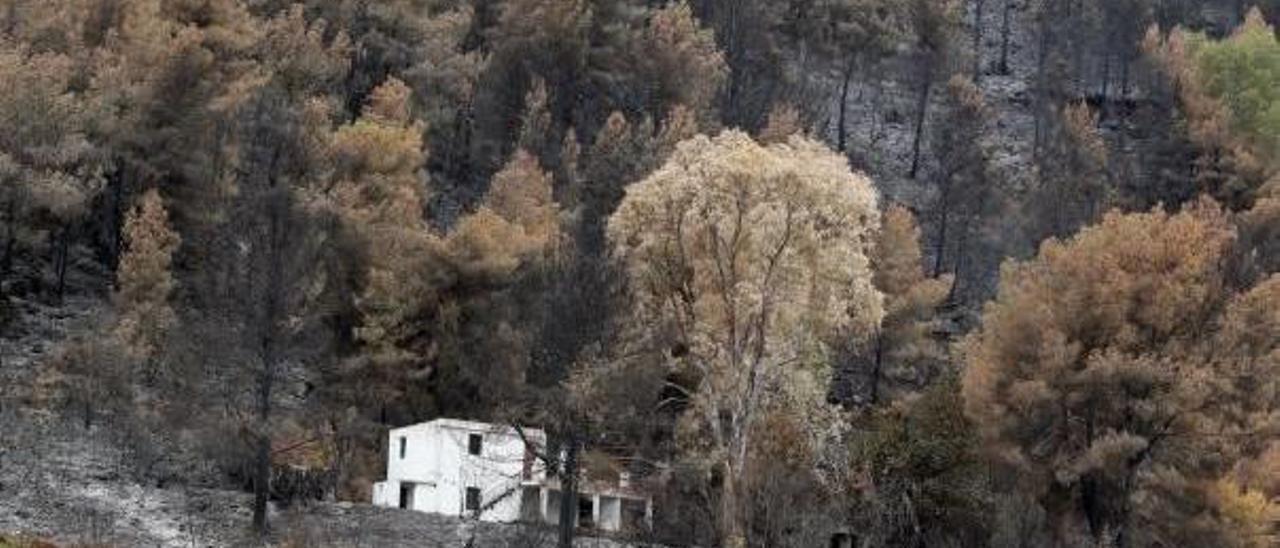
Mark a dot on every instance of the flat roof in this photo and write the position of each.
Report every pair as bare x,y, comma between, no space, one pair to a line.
473,426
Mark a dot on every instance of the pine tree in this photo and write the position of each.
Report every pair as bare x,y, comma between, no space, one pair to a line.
1223,89
966,189
521,194
144,279
380,194
1098,362
859,33
905,356
678,60
1072,172
52,169
933,24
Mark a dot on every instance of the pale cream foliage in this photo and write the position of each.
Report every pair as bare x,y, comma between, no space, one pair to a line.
747,259
784,231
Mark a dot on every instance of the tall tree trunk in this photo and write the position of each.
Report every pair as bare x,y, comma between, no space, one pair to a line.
566,528
941,244
962,249
1125,63
60,265
978,6
732,528
733,54
87,413
877,98
841,129
268,329
115,223
1106,80
877,365
10,236
922,107
262,456
1005,30
1092,507
1042,83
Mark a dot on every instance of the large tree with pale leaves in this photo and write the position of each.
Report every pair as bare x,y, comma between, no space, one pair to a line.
743,261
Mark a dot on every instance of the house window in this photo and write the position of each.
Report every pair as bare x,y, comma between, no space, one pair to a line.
475,443
473,499
403,443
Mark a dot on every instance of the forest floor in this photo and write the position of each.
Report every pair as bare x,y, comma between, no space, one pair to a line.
72,486
63,485
880,130
74,494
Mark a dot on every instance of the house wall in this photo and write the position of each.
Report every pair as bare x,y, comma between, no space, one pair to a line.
437,462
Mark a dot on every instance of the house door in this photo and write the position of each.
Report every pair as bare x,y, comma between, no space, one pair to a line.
406,496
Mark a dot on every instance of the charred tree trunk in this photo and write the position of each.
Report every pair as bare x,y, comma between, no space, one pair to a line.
978,8
1125,63
841,129
268,349
1042,82
962,250
1005,30
940,246
60,263
10,236
262,454
115,222
877,365
567,527
922,107
87,413
1106,80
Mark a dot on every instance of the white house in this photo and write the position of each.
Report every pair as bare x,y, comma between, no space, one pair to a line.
490,472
